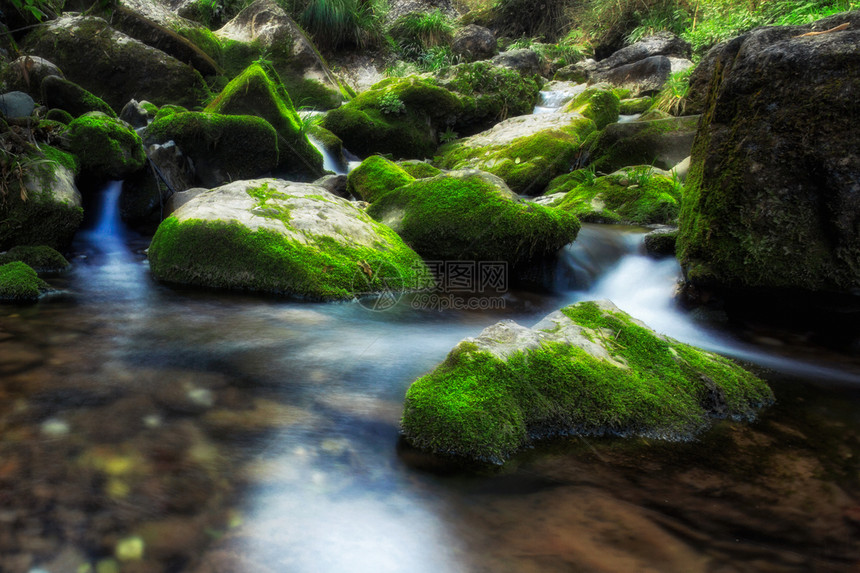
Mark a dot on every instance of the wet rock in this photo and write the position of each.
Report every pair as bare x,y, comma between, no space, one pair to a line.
473,42
661,242
179,199
661,143
14,105
134,114
41,258
334,184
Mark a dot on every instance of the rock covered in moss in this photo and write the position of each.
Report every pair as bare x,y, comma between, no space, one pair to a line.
259,91
289,238
62,94
638,195
107,148
20,283
113,65
635,105
526,151
598,103
587,369
47,211
472,215
376,177
661,143
773,191
26,74
419,169
661,242
41,258
222,147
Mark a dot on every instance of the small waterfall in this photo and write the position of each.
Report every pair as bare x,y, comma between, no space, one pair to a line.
550,101
108,230
330,163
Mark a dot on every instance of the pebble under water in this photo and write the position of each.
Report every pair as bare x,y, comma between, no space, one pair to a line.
147,428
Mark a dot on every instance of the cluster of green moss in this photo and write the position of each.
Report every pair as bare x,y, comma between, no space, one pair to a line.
258,91
105,146
419,169
72,98
528,163
463,215
59,115
638,143
20,283
375,177
42,258
651,199
495,92
632,106
229,255
601,105
241,146
480,407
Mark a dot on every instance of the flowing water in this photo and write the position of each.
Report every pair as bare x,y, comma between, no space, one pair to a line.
147,428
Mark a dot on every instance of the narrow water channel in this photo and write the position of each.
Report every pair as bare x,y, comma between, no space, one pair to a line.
146,426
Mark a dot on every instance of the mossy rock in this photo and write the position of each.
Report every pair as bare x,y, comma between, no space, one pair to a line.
472,215
112,65
41,258
396,116
166,110
59,115
62,94
376,177
588,369
107,148
601,105
419,169
222,147
635,196
526,151
20,283
259,91
47,211
662,143
661,242
276,236
633,106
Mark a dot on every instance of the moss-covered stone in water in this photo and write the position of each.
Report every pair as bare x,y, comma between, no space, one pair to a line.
259,91
20,283
274,236
106,147
589,369
620,198
236,146
375,177
526,151
472,215
600,105
41,258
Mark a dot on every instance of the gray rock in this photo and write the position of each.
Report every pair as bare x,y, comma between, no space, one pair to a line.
642,77
334,184
180,198
662,143
524,60
133,114
580,72
14,105
660,242
27,72
400,8
474,42
660,44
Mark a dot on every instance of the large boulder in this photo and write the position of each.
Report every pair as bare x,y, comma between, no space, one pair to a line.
259,91
662,143
43,207
773,192
282,237
659,44
526,151
20,283
643,77
375,177
107,147
26,74
524,60
474,42
222,148
265,25
113,65
472,215
587,369
598,103
60,93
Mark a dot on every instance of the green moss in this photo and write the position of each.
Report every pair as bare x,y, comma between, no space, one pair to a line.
457,216
635,105
72,98
166,110
204,39
152,110
660,143
221,255
59,115
477,406
311,93
259,91
239,146
41,258
376,177
622,198
20,283
528,163
600,105
106,147
67,160
419,169
495,93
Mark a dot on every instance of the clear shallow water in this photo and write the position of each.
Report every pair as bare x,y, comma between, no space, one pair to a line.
225,432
